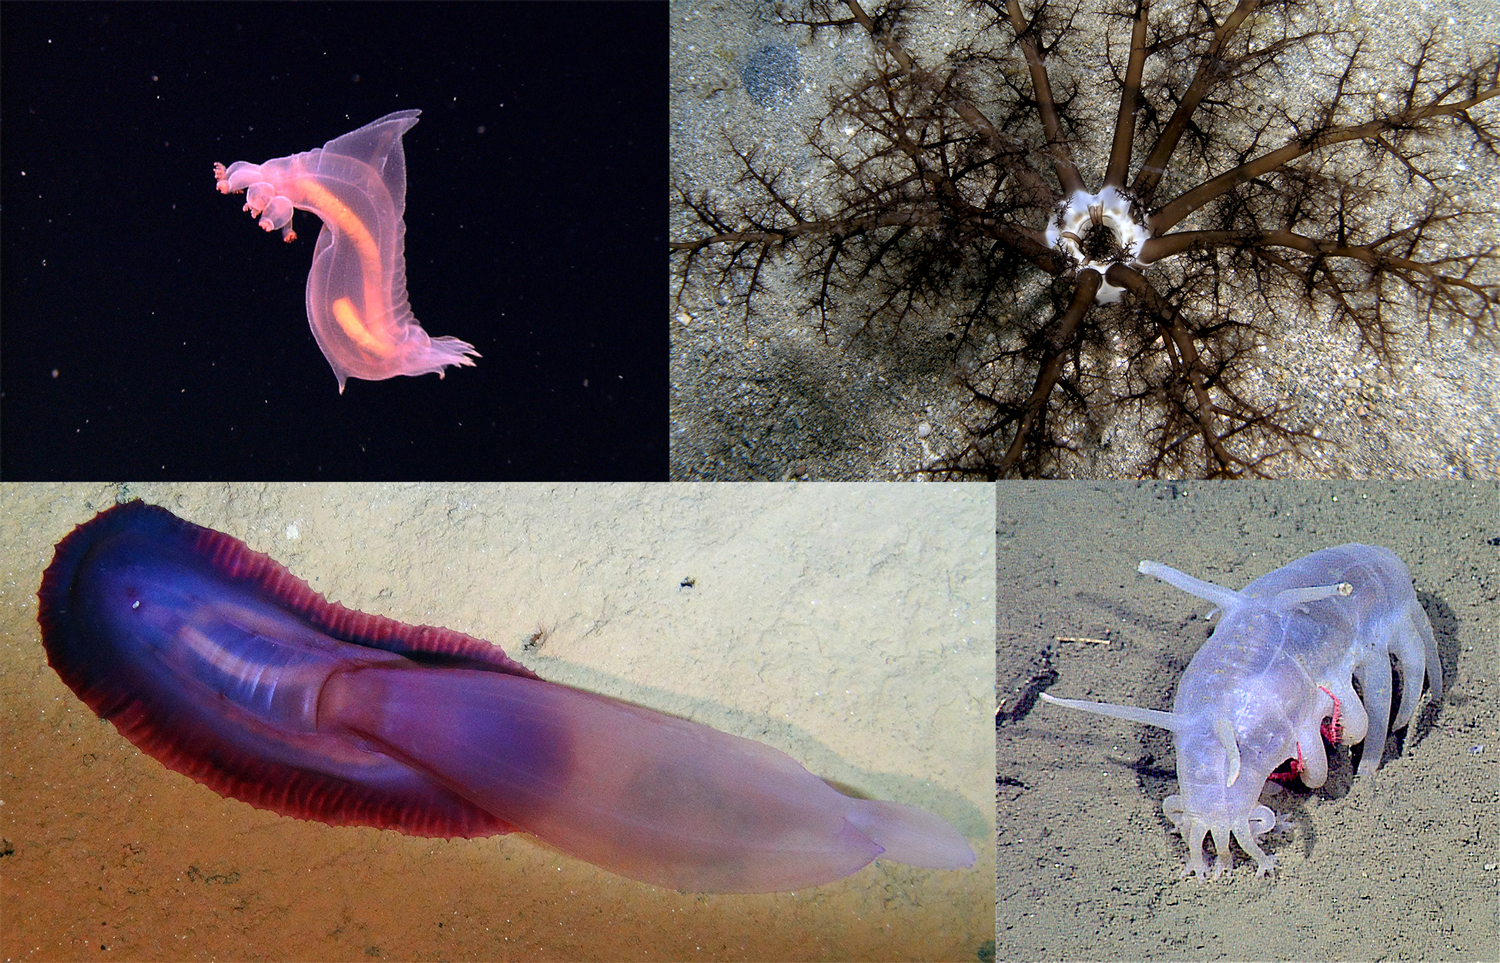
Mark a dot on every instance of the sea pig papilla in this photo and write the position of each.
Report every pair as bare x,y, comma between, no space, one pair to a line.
224,666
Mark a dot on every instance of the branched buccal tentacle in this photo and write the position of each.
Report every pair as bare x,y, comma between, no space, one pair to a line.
967,186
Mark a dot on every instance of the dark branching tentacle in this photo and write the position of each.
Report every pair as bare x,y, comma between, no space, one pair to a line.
1033,48
1026,418
1211,71
1130,92
1451,101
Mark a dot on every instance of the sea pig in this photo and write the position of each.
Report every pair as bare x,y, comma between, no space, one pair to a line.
227,668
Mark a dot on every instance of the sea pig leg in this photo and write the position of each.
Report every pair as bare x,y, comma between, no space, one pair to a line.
642,794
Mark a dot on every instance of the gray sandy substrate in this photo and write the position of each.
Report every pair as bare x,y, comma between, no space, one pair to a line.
1401,863
773,400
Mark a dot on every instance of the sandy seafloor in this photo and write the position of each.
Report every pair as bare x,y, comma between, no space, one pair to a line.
1399,864
775,401
850,627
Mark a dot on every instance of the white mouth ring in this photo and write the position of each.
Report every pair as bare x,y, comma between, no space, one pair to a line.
1097,230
